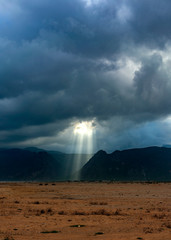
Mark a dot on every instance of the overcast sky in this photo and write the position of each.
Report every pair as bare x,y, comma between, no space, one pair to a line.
107,62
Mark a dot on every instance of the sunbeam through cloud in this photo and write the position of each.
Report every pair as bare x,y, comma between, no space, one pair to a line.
84,142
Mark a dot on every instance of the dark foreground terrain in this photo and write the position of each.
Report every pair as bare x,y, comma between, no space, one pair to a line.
74,211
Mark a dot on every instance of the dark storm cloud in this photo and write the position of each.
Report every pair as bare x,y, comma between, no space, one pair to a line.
151,22
152,83
62,61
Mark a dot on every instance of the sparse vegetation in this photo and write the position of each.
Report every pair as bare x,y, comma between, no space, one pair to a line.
99,203
148,230
8,238
38,212
86,209
159,216
54,231
167,225
62,213
101,211
117,212
106,213
77,226
99,233
49,210
41,211
79,213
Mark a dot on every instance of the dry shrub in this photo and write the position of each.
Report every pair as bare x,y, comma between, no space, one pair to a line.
73,213
161,209
117,212
167,225
36,202
99,233
99,203
77,226
101,212
96,212
54,231
49,210
79,213
8,238
94,203
159,216
38,212
62,213
2,198
105,212
148,230
103,203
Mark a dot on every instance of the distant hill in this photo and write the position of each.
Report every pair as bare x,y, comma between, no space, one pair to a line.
152,163
69,163
34,164
34,149
24,165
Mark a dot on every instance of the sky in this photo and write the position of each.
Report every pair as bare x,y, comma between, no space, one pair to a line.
101,64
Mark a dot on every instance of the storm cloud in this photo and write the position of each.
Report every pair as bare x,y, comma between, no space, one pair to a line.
63,62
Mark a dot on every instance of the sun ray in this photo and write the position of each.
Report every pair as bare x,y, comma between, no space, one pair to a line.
84,143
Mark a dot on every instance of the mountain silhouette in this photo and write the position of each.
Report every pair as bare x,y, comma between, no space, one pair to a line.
24,165
34,164
144,164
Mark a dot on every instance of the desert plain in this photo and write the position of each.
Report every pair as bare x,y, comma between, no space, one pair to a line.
85,210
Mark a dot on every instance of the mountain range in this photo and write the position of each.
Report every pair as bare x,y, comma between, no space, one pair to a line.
33,164
143,164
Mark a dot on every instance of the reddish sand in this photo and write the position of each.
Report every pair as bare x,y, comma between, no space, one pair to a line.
72,211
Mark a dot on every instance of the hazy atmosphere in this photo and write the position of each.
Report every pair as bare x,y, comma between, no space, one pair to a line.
84,75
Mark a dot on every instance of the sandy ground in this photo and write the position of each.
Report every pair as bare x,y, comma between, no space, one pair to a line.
72,211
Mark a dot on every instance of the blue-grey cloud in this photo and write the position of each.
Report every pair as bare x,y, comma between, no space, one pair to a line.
63,61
